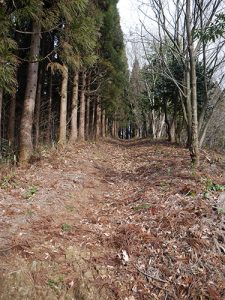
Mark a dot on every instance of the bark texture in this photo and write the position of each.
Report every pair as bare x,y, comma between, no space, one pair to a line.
1,99
82,108
49,110
88,105
98,120
74,130
63,106
37,110
103,124
26,144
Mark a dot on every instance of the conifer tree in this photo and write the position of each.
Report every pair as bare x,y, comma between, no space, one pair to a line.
83,41
61,11
113,62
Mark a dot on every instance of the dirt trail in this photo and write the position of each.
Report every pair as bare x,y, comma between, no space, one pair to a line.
113,220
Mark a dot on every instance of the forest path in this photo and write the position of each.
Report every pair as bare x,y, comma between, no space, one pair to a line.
112,220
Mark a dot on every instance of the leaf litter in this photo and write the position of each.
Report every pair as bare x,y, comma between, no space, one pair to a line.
113,220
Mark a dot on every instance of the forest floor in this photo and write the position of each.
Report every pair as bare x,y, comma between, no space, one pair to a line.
113,220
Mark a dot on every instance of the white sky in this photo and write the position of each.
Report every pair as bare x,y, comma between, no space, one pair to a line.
128,10
129,19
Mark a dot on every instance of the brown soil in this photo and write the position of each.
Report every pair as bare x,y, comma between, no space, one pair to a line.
113,220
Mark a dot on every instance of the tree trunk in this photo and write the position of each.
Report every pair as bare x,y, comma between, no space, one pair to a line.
173,131
144,127
116,130
82,109
26,145
1,100
12,120
49,109
93,118
87,123
74,130
98,120
88,104
153,124
103,124
106,126
188,104
194,149
63,107
161,125
168,127
37,111
173,125
114,134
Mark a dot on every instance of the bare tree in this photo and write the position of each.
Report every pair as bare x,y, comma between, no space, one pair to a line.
176,23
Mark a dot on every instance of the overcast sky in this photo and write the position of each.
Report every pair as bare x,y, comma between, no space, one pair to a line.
129,19
128,10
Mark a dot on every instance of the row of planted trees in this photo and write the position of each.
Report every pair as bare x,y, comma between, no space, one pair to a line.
181,82
63,72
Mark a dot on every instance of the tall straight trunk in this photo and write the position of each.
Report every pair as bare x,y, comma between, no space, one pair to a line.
63,106
194,149
74,130
140,132
161,125
1,100
168,125
82,108
49,109
116,129
26,144
37,110
173,131
144,127
173,127
107,126
188,103
113,129
87,123
93,118
98,119
88,104
103,124
153,124
12,120
171,124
